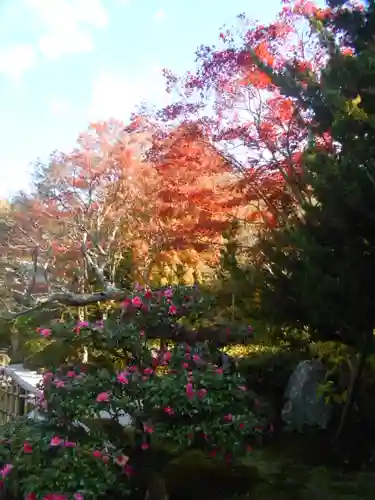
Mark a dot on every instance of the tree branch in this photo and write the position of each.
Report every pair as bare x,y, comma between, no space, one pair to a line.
68,299
174,332
178,333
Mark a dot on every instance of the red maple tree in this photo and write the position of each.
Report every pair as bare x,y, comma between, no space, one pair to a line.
239,111
106,200
229,148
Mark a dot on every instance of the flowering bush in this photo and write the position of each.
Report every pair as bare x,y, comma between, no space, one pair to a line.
107,423
39,464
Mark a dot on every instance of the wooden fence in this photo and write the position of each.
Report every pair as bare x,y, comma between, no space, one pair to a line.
18,392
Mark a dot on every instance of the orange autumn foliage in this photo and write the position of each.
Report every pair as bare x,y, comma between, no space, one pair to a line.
230,96
195,189
106,199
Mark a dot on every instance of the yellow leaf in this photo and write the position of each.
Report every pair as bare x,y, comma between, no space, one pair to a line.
357,101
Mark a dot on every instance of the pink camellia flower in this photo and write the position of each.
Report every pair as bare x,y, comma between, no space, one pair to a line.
172,309
189,391
122,460
59,384
82,324
45,332
78,496
70,444
148,294
148,429
148,371
47,377
202,393
228,417
136,301
167,356
71,374
185,365
219,371
196,357
55,496
168,293
6,470
125,303
128,470
27,448
145,446
41,400
132,368
56,441
103,397
168,410
122,377
30,496
97,454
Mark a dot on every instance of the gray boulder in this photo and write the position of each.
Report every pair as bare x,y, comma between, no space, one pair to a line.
304,405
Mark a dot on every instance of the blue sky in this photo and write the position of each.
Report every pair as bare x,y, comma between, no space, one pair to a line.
64,63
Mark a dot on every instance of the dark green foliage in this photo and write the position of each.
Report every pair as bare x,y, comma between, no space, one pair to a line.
321,269
195,476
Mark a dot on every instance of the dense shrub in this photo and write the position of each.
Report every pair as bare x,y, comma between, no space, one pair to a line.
178,399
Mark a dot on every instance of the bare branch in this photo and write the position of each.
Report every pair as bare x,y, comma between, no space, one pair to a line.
68,299
176,332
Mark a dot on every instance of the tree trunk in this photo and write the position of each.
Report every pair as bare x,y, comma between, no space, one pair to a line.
82,311
82,316
352,391
157,489
15,345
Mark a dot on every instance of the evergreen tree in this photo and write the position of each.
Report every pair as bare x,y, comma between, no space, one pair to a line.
320,270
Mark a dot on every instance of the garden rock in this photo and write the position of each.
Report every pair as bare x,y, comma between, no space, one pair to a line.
304,405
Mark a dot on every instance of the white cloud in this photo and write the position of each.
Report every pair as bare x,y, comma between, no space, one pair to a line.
55,44
115,96
58,107
112,96
16,60
160,15
68,24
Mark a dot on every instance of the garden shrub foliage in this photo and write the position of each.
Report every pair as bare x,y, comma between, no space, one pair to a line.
179,398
